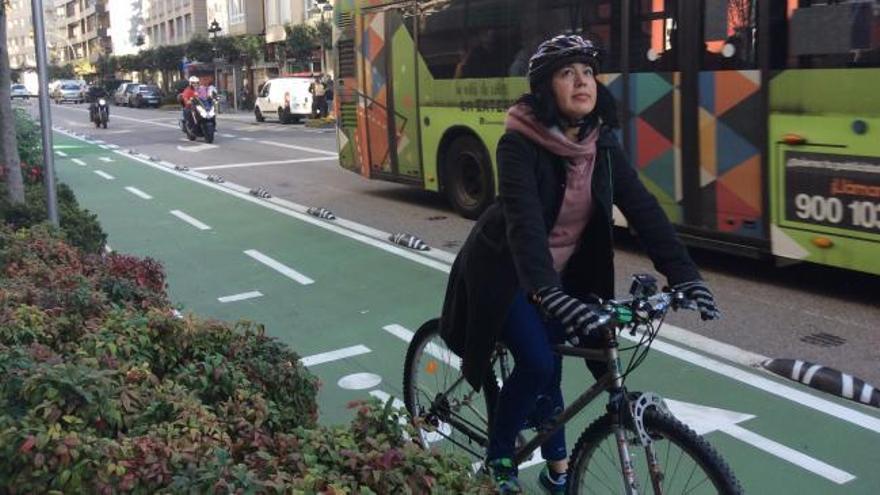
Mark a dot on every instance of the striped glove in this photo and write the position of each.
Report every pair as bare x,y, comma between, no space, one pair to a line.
577,318
698,292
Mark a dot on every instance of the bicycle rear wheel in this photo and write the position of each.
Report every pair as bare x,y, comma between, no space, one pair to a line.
687,463
450,414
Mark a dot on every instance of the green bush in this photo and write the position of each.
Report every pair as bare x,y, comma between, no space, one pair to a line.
104,390
80,227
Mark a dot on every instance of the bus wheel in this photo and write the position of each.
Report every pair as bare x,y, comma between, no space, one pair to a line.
468,179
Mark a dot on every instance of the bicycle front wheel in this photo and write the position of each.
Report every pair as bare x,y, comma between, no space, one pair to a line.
686,462
450,414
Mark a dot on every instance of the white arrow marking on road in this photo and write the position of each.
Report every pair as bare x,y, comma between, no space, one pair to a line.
78,162
104,174
279,267
704,420
196,148
106,159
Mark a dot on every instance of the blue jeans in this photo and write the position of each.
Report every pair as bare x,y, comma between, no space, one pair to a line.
532,391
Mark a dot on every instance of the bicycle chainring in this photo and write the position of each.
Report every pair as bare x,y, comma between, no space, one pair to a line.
642,402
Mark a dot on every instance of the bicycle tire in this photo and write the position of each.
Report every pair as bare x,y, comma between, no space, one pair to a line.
419,405
585,467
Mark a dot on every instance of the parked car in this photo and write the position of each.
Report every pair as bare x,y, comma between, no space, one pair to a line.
285,98
145,95
120,97
95,92
69,91
19,91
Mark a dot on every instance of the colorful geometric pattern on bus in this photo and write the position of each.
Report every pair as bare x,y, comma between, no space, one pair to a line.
655,142
374,100
372,115
730,152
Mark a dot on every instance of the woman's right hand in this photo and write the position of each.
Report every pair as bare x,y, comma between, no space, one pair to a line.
577,318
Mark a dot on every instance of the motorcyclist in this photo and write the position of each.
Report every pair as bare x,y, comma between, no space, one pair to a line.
98,94
186,96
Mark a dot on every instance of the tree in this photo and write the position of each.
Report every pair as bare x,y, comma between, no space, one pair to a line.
167,60
106,66
199,48
61,72
8,143
301,42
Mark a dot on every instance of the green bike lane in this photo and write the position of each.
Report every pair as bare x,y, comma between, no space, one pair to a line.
775,445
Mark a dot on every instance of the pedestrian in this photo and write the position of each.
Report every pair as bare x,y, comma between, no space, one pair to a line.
319,99
544,248
328,96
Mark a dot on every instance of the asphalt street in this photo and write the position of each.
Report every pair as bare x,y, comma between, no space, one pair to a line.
348,301
770,311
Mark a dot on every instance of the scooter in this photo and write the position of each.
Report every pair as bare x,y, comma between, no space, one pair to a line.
203,120
99,113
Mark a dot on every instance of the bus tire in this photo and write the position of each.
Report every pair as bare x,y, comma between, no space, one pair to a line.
467,177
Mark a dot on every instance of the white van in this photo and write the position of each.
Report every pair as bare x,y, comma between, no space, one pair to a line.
285,98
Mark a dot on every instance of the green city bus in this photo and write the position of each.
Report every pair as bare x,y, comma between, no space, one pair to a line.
755,124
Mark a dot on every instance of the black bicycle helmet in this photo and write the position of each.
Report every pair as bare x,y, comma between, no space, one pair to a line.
561,50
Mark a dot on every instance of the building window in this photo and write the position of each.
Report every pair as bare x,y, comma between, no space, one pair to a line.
729,32
179,28
187,21
236,11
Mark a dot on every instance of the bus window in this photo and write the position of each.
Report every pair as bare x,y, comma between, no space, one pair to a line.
653,35
542,19
829,34
468,38
729,32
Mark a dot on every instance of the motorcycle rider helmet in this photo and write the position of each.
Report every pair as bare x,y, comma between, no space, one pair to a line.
193,80
559,51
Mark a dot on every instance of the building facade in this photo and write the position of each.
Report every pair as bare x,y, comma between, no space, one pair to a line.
85,26
19,35
173,22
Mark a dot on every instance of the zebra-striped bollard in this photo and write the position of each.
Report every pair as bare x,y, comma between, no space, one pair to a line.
321,213
181,168
409,241
260,192
825,379
216,178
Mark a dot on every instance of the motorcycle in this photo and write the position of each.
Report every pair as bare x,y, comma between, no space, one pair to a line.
99,113
202,121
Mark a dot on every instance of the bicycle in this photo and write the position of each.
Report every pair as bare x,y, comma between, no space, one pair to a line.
675,459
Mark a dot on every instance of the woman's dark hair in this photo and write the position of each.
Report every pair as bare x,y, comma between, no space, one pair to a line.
542,101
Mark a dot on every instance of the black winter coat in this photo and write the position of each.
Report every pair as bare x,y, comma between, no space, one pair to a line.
508,246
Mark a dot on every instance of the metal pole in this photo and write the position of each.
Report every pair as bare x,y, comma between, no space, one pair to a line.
235,91
45,116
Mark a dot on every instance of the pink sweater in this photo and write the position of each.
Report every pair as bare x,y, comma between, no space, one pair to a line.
577,205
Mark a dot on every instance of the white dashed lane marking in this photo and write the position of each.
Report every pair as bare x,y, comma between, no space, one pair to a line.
327,357
137,192
190,220
279,267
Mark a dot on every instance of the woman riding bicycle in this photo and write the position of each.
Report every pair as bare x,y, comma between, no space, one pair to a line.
546,245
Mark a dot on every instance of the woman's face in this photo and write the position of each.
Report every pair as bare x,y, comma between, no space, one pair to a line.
574,86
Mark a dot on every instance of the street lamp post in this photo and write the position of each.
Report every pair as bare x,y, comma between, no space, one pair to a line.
214,28
318,8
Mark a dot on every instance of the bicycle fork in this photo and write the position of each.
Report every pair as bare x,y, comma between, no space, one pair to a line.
619,410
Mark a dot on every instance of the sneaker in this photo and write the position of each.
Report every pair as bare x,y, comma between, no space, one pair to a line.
552,482
505,475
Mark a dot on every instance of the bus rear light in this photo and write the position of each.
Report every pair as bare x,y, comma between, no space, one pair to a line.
822,242
793,139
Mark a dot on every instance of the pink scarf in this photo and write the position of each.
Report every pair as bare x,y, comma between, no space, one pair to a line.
577,205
